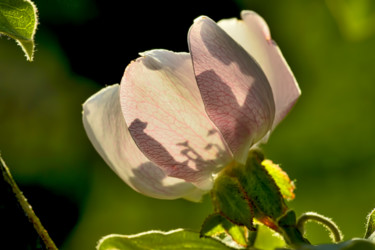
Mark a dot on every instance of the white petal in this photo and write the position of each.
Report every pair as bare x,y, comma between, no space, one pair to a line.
253,35
166,117
107,130
235,91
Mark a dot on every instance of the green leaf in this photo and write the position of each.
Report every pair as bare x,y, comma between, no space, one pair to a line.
281,178
230,200
353,244
175,239
218,227
372,237
18,20
370,224
268,239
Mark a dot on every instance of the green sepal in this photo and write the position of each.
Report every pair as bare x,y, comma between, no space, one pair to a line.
18,20
231,201
261,188
175,239
281,179
370,228
243,192
218,227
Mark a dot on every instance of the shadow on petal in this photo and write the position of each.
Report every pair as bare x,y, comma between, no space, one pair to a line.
194,168
236,93
241,125
158,180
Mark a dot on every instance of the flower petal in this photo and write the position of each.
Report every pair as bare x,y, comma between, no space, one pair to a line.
163,108
253,34
106,129
235,91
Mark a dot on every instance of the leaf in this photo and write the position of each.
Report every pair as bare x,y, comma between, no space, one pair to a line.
372,237
218,227
281,178
268,239
230,200
353,244
175,239
370,224
18,20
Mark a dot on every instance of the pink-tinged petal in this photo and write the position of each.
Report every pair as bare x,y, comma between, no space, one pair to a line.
165,114
107,130
235,91
253,35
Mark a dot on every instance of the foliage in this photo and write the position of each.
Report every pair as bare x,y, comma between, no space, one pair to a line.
176,239
18,20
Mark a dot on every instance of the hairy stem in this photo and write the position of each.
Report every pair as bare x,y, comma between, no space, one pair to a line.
288,227
335,235
26,206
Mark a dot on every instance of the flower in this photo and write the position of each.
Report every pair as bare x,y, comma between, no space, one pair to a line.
177,119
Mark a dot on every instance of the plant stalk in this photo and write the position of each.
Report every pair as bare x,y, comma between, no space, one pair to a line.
42,232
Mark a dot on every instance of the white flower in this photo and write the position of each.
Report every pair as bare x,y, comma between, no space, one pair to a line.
178,118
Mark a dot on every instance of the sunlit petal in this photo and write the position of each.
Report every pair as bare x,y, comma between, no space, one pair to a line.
253,34
235,91
165,114
106,129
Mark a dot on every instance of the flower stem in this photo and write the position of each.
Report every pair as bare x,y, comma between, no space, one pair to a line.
288,227
26,206
335,235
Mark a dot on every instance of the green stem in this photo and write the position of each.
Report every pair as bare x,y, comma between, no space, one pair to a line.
335,235
26,206
287,224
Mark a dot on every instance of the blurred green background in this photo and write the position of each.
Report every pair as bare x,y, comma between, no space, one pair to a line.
326,142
